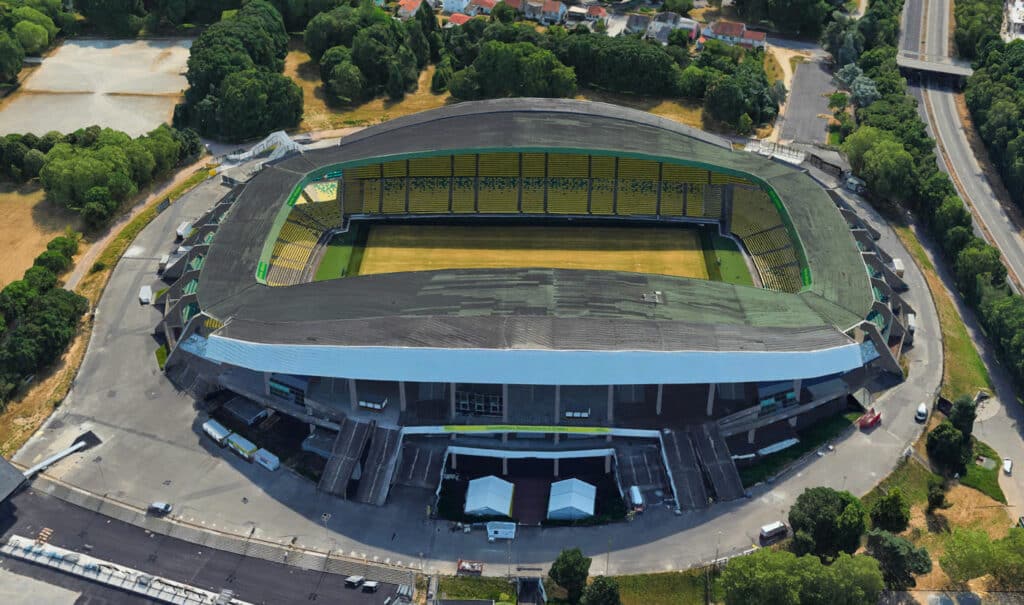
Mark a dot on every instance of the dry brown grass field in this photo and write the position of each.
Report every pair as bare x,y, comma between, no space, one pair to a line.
29,222
664,251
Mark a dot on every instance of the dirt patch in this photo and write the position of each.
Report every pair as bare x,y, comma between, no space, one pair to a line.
318,115
683,111
29,223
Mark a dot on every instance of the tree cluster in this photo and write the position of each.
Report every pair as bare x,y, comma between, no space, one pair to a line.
910,175
94,170
29,27
39,319
802,17
363,52
570,571
236,90
977,24
769,576
514,69
949,444
826,522
971,554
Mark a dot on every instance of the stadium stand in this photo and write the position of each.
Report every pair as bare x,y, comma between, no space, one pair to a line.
464,184
430,185
638,191
602,185
534,169
752,211
321,191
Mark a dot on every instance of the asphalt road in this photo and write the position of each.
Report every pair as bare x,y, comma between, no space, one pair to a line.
252,579
808,100
1001,420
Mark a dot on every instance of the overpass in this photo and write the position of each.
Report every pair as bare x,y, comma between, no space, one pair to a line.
956,72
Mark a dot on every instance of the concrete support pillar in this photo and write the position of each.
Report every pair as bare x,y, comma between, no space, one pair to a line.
504,466
312,428
556,468
455,461
504,437
607,463
504,403
792,421
266,383
750,436
353,394
557,438
558,407
451,400
797,385
401,396
611,403
657,404
711,399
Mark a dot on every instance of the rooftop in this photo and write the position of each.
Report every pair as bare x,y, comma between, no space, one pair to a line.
728,28
548,308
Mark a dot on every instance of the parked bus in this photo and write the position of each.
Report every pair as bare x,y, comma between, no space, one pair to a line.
217,432
242,446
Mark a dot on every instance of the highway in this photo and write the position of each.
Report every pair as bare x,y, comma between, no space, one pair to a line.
1000,422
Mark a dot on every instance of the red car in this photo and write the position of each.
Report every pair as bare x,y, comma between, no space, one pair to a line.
869,419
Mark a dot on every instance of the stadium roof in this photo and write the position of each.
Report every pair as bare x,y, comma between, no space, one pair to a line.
536,308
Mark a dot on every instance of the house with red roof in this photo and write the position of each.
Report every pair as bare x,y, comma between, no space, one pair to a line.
457,19
407,9
516,4
480,7
596,12
732,32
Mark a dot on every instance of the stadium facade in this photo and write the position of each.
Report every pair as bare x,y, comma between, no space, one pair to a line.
556,358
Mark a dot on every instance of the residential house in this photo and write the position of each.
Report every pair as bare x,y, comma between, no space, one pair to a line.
407,9
546,12
457,19
576,14
454,6
732,32
516,4
665,23
637,24
596,12
480,7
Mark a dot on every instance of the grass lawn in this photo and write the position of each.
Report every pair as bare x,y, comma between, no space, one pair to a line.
985,480
724,259
476,587
963,370
835,138
772,68
810,439
343,255
161,356
911,477
672,588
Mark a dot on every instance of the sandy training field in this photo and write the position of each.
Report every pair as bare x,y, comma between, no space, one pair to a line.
664,251
130,85
29,223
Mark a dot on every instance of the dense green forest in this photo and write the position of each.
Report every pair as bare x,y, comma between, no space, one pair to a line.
29,27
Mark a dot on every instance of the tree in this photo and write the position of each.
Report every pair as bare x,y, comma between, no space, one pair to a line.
53,260
504,13
27,13
12,55
963,414
602,591
518,68
680,38
725,100
32,163
680,7
891,512
693,82
945,445
804,17
570,571
898,558
969,554
889,170
345,84
838,101
769,576
118,17
40,279
745,125
864,92
936,495
826,522
396,84
847,74
32,37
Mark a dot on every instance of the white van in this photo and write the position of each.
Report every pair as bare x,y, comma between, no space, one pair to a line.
773,532
183,230
636,499
216,431
371,586
242,446
354,581
145,295
267,460
897,267
922,413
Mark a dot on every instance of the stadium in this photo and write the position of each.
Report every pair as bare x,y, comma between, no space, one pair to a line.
501,286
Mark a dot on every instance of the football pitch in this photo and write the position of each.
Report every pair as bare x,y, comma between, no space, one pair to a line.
664,250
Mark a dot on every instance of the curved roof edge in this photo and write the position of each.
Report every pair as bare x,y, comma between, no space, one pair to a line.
527,366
